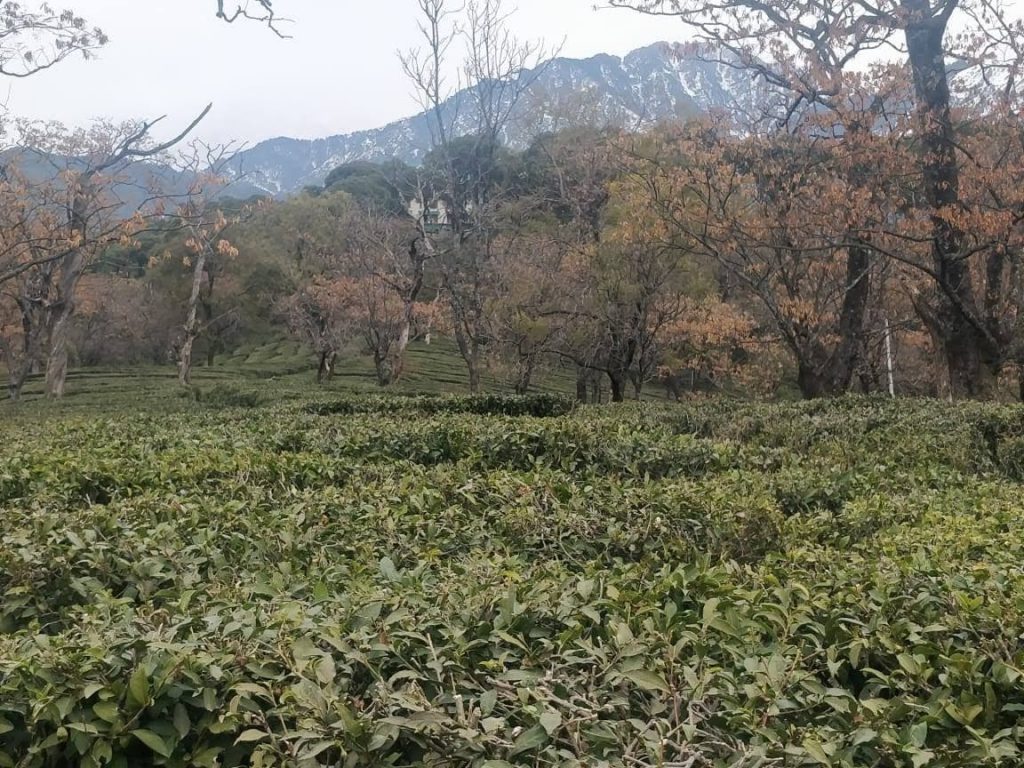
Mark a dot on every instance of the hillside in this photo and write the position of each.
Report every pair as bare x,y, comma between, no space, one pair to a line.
660,82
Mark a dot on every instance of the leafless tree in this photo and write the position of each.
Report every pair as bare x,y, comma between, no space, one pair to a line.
206,226
498,70
96,193
261,11
35,39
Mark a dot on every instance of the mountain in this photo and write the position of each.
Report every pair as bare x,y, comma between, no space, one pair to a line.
661,82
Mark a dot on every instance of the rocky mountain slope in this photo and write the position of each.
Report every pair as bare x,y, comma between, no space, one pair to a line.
660,82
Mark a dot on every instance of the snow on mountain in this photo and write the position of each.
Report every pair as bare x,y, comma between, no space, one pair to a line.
661,82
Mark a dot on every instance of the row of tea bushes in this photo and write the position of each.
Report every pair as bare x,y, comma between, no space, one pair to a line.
835,584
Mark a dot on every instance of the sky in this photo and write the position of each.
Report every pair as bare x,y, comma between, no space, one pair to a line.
338,73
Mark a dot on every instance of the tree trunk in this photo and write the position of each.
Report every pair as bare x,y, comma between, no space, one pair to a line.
581,384
388,367
811,381
15,385
57,360
185,362
618,384
395,362
970,374
17,373
469,348
58,323
851,320
58,314
325,371
968,349
637,380
474,378
192,321
525,376
19,368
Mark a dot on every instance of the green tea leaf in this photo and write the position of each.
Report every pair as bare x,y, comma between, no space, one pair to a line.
649,681
816,752
551,721
153,741
487,701
250,735
138,688
529,739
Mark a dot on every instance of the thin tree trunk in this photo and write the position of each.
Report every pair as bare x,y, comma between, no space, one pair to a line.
185,362
850,345
525,377
474,377
192,321
59,323
19,369
325,371
637,380
16,383
470,351
389,369
17,372
321,369
57,360
581,384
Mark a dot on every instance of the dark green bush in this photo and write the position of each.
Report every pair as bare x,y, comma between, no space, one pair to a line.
225,396
538,405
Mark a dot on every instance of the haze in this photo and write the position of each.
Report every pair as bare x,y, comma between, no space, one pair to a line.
338,73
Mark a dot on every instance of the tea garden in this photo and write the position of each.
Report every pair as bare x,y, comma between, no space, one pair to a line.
440,581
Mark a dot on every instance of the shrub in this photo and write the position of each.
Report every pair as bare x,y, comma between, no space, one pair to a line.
490,582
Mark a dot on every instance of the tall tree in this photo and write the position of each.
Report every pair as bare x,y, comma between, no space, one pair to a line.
498,70
806,48
90,200
387,256
205,224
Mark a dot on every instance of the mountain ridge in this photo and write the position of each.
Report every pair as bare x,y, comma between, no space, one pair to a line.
659,82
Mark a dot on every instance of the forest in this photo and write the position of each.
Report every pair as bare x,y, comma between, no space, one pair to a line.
861,234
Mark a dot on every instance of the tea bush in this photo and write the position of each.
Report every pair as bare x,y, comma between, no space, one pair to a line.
484,405
403,582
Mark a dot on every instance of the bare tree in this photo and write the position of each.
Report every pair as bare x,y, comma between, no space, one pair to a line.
205,225
260,11
498,70
32,40
95,197
36,37
387,253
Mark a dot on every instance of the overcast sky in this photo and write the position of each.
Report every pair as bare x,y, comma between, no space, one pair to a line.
338,73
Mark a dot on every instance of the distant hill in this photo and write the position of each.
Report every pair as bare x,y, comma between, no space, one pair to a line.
660,82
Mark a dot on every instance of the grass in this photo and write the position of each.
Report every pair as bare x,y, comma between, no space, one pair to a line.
279,369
